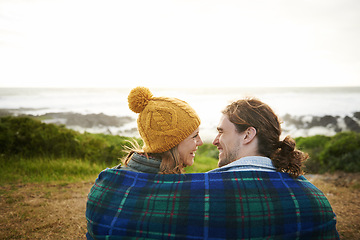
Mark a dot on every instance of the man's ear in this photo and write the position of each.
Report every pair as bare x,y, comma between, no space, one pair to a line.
250,134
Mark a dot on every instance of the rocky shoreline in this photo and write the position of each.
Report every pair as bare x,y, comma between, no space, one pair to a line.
326,125
93,123
294,126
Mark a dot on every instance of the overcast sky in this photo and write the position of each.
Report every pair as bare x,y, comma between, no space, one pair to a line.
173,43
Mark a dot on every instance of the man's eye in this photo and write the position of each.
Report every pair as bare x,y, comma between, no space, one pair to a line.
196,136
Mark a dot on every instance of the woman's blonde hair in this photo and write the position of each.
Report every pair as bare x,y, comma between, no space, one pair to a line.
170,160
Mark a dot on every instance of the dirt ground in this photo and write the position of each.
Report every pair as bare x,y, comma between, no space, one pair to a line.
343,193
43,211
57,211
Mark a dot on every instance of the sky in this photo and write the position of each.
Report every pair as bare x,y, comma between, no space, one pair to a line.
179,43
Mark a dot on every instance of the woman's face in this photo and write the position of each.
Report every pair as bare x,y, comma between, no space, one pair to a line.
188,147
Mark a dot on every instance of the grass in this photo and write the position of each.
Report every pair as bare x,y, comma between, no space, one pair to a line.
70,170
48,170
202,164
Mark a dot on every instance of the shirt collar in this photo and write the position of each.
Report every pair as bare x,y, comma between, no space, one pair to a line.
254,161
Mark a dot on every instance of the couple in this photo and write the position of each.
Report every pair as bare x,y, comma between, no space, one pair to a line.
256,193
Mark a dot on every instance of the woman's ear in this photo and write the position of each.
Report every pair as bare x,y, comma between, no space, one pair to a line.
250,134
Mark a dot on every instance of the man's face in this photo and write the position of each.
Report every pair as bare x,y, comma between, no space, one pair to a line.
228,142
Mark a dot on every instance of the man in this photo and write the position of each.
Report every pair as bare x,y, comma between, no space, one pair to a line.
257,193
249,139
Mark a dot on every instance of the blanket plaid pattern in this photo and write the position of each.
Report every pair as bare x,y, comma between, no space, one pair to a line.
225,205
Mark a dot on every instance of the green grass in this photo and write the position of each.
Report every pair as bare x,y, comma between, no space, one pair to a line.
48,170
70,170
206,159
64,170
202,164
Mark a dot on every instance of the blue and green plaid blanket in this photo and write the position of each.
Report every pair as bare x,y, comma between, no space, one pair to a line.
227,205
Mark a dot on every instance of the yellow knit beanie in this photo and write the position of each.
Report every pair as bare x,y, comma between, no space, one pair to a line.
163,122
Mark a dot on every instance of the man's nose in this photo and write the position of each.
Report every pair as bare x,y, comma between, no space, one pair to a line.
216,141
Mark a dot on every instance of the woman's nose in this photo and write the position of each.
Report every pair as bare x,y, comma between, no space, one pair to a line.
199,142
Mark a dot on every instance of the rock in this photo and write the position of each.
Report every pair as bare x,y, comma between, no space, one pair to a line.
357,115
89,120
351,124
290,120
325,121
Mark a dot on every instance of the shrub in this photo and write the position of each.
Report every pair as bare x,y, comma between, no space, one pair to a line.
317,141
29,138
313,146
342,152
337,153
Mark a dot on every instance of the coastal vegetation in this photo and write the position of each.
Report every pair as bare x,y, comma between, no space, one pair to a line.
340,152
33,151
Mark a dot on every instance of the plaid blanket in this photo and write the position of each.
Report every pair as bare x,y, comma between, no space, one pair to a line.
227,205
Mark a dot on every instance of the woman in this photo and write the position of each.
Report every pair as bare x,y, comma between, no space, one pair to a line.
169,128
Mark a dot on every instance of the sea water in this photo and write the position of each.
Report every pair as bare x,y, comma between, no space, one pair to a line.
208,102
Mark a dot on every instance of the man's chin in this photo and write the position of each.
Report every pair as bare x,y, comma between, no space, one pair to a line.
222,163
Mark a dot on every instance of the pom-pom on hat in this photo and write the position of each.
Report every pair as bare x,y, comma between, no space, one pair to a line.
163,122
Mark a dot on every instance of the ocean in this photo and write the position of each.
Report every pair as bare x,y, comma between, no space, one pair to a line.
304,111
